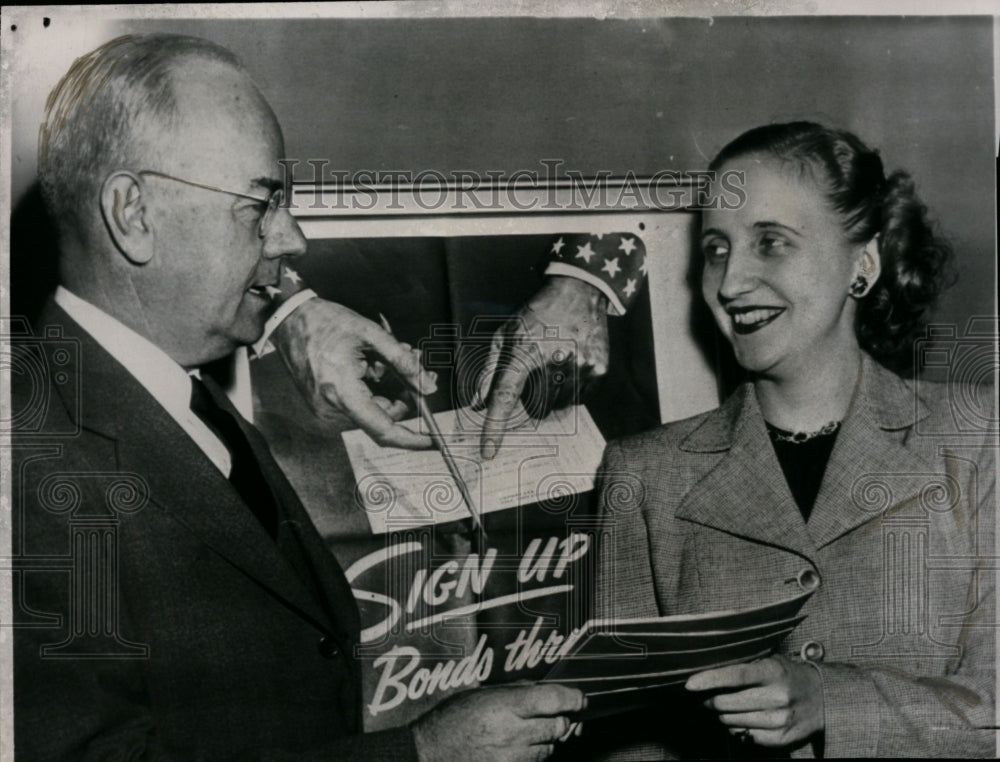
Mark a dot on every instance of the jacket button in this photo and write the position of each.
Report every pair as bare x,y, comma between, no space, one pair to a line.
812,651
328,647
808,579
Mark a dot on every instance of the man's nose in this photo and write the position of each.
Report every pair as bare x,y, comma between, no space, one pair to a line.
285,237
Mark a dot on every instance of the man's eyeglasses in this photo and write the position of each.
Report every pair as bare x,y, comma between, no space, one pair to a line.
275,199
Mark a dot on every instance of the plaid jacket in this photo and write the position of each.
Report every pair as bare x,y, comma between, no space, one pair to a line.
899,548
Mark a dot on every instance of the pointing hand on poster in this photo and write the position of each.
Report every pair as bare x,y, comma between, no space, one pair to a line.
559,334
517,723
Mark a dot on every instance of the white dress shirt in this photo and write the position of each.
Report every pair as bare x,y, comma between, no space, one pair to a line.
164,379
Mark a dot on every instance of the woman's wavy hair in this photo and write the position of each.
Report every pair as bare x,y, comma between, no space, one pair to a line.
916,263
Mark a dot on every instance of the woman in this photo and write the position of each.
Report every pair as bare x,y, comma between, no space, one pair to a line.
826,471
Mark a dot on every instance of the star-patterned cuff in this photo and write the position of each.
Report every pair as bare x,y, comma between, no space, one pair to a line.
288,297
615,263
615,306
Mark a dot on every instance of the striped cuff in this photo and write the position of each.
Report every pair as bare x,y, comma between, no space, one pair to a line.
263,346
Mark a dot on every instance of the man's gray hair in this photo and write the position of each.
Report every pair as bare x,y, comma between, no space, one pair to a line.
97,117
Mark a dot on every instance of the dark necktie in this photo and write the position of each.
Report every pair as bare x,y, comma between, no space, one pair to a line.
259,482
245,474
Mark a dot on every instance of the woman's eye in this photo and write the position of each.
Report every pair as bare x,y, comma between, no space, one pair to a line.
715,251
773,243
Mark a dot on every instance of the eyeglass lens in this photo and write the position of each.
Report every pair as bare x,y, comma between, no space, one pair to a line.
275,200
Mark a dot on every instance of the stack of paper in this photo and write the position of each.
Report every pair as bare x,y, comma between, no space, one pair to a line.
618,663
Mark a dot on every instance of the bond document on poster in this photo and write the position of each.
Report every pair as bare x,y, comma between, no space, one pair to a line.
540,460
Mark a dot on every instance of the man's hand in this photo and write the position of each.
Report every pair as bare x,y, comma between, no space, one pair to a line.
575,314
331,351
510,723
778,700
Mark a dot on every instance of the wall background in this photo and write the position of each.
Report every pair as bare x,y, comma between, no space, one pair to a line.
641,95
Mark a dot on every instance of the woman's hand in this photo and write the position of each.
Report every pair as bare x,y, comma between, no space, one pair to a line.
779,701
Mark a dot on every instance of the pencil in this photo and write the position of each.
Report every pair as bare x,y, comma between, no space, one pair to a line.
438,438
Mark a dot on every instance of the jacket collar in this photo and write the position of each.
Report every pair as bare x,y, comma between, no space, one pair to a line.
746,493
874,468
90,368
890,402
103,397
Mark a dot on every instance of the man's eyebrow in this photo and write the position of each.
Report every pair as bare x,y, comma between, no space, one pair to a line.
773,224
712,231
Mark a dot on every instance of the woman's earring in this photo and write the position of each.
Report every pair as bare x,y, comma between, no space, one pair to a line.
860,286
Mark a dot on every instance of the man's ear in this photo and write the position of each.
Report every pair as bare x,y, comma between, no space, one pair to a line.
124,210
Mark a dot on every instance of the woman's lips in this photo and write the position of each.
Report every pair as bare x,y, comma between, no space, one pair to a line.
750,319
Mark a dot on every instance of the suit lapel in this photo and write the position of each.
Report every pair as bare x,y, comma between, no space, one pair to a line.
336,588
745,494
181,479
330,576
870,468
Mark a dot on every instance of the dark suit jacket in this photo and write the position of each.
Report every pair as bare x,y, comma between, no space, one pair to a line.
156,617
899,547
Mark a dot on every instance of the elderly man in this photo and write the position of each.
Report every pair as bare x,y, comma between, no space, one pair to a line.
199,616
